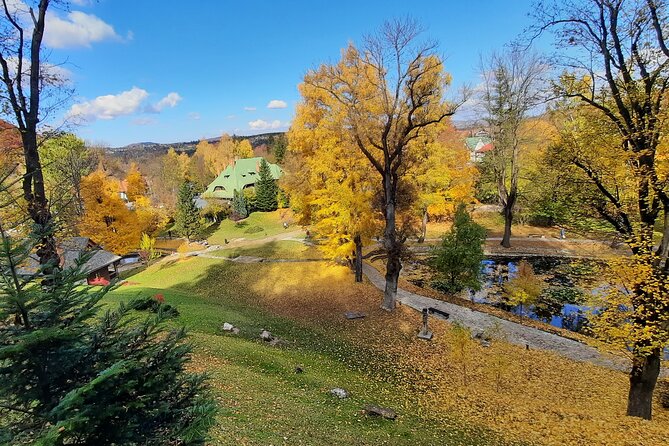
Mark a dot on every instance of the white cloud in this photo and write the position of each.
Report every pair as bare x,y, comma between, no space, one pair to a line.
231,117
77,29
276,103
259,124
171,100
249,109
194,116
109,106
82,2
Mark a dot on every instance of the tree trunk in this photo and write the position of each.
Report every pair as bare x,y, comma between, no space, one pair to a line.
663,251
508,220
358,258
643,377
38,206
423,227
393,267
392,248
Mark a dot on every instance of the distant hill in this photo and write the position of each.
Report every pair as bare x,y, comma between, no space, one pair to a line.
142,149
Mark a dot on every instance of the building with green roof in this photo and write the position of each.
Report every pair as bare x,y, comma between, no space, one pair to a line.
241,174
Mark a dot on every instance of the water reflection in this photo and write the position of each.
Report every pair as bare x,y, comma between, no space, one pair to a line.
562,302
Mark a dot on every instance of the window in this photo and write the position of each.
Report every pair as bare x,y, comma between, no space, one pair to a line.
217,188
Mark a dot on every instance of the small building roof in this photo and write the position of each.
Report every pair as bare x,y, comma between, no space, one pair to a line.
476,142
71,250
237,176
485,148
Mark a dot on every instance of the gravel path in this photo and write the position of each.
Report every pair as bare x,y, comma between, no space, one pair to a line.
514,333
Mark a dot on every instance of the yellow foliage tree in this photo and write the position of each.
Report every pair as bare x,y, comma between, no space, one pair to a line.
243,149
107,220
384,97
330,187
136,183
225,152
150,220
443,178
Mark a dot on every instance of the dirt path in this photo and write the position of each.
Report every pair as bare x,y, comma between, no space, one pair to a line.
514,333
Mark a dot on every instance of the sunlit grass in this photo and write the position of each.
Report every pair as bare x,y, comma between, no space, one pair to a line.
256,226
282,249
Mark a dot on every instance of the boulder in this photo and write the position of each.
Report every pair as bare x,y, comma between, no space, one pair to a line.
266,336
235,330
228,327
350,315
339,393
378,411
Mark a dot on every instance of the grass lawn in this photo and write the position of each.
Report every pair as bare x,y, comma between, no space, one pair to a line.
256,226
450,391
282,249
263,401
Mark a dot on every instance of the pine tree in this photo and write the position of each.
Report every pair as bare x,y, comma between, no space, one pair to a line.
239,209
279,145
458,258
266,189
187,218
75,374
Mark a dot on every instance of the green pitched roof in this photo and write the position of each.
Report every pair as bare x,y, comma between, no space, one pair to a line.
476,142
237,176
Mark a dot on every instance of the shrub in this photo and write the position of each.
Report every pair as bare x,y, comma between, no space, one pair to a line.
153,304
458,258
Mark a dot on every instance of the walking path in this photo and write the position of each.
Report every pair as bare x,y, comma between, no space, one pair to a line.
512,332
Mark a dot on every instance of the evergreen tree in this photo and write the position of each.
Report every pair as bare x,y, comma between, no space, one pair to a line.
279,145
187,218
458,258
266,189
73,374
239,209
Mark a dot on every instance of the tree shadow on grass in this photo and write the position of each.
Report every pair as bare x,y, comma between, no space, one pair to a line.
210,230
300,304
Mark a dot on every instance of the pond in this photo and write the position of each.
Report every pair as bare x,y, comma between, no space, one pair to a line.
562,302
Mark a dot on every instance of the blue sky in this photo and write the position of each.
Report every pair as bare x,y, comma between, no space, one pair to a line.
169,70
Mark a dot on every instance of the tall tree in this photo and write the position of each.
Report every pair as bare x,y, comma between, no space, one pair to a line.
107,220
444,177
387,95
25,79
137,186
279,146
66,161
616,64
331,186
243,149
266,188
511,89
187,217
225,153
